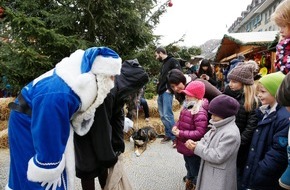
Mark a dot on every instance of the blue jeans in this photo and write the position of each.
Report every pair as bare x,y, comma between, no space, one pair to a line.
166,114
144,104
192,164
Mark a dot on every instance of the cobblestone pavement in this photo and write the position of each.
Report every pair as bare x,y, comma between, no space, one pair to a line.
160,167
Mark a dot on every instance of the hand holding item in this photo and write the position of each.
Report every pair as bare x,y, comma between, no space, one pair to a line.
204,76
175,131
190,144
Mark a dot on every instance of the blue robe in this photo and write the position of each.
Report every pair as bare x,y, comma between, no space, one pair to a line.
38,137
62,101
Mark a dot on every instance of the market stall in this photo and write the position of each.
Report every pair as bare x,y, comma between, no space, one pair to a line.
257,46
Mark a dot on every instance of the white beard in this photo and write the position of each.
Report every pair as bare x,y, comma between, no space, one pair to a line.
82,121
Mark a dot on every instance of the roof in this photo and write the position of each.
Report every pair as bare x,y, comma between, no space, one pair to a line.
253,37
231,43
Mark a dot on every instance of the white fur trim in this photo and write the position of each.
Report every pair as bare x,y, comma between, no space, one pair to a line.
37,174
70,161
107,65
196,107
47,74
84,85
90,92
81,125
7,188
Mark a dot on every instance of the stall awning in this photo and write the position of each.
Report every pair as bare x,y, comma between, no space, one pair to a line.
233,43
245,52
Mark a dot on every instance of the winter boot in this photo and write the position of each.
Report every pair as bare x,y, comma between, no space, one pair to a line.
189,185
284,180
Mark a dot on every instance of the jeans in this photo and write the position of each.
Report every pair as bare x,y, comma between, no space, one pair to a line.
192,164
144,104
166,114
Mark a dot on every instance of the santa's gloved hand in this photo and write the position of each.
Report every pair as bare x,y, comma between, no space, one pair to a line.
53,184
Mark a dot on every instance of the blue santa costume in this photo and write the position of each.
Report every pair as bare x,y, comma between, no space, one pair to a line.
49,109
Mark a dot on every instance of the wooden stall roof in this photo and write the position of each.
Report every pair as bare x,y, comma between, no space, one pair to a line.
234,43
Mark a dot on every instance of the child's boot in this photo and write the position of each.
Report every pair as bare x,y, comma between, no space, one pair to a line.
284,180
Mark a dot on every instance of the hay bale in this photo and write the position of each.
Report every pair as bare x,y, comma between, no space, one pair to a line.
153,107
4,110
4,139
3,125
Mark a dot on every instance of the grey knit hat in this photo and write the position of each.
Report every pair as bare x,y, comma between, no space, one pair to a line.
243,73
283,93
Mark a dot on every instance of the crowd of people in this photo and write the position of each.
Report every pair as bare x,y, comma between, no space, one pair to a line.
233,135
242,141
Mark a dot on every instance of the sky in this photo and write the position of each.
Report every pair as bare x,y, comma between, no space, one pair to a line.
199,20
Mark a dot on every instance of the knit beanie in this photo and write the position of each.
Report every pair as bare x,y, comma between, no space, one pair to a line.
283,93
242,73
224,106
272,82
195,89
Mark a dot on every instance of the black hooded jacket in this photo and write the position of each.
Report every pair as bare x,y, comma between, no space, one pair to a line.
168,63
246,122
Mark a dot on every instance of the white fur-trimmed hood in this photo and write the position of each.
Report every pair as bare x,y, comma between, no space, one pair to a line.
92,87
84,85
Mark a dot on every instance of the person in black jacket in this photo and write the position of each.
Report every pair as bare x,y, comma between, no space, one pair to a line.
242,88
206,72
165,94
99,149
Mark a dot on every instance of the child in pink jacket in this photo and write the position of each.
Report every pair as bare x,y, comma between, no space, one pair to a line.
192,124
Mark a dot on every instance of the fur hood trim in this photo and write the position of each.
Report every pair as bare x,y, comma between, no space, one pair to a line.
84,85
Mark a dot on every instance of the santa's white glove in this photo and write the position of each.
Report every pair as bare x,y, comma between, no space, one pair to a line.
53,184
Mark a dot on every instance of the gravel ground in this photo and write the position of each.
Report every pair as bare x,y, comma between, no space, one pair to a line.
160,167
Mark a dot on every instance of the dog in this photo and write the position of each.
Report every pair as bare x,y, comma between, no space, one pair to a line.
142,137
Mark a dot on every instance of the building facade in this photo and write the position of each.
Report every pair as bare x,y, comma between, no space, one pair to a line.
256,18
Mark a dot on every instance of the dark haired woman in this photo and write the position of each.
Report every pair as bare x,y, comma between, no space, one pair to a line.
206,72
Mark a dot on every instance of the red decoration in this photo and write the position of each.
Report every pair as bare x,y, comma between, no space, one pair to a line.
2,12
170,4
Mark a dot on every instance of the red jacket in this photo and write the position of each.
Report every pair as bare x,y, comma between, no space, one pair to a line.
191,127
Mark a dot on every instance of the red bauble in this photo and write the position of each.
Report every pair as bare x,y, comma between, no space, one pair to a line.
170,4
2,12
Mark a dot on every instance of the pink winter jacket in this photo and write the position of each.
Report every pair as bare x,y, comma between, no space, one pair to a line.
191,127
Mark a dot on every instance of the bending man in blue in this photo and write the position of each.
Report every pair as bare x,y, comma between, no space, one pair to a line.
48,110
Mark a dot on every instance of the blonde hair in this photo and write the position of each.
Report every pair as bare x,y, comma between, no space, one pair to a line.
251,100
281,16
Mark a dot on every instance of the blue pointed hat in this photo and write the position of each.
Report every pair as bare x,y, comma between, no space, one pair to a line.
101,60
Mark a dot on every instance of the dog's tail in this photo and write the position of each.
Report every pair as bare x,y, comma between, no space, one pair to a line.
160,135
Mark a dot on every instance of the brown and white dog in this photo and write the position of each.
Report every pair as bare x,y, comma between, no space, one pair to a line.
142,137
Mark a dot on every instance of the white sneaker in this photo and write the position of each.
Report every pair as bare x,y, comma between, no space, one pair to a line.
147,119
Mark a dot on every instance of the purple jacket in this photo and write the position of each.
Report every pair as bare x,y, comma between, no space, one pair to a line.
191,127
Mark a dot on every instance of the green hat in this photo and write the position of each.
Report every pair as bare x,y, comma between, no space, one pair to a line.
272,82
